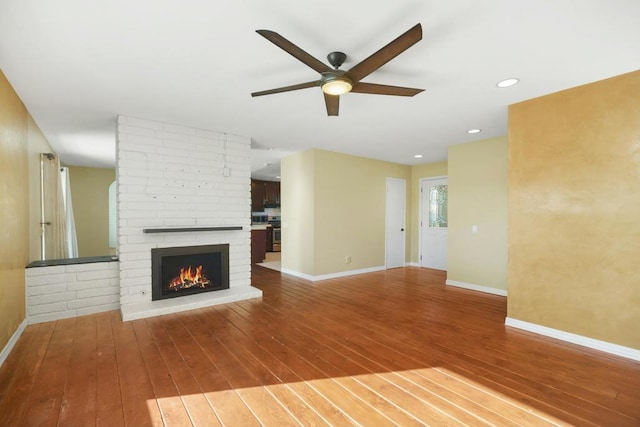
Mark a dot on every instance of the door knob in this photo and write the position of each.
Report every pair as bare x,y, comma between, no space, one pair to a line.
402,229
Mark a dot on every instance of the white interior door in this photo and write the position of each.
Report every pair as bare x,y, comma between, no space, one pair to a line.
433,223
395,223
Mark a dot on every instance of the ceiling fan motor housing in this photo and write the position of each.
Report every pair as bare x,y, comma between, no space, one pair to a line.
336,75
336,59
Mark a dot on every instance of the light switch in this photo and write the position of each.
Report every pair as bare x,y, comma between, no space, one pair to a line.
474,229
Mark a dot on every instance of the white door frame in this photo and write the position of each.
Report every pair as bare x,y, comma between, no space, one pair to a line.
404,222
421,213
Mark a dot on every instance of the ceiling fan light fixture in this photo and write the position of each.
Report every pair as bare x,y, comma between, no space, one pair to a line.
338,86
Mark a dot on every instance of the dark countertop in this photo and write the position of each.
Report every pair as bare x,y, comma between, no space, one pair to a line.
71,261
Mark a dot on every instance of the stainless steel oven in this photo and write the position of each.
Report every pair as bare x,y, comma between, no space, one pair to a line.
276,239
275,234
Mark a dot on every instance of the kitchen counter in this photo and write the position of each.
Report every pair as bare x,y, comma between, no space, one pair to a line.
260,226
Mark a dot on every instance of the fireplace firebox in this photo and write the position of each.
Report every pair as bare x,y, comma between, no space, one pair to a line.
181,271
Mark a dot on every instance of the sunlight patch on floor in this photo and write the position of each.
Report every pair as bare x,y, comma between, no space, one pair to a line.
424,394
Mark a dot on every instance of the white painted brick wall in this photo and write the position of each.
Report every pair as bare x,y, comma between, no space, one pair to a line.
59,292
173,176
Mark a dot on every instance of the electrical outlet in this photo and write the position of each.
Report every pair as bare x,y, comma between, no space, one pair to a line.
347,260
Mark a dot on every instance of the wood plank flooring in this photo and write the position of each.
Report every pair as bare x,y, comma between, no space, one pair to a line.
396,347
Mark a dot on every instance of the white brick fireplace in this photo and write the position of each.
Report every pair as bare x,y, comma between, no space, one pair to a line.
171,177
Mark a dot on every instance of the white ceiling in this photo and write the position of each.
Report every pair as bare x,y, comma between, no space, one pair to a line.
77,64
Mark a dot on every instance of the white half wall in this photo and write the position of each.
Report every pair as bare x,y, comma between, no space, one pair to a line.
62,291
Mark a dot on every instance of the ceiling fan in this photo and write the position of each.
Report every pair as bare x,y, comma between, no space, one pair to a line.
335,82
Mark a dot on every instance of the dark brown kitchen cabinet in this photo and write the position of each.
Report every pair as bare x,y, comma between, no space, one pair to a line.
264,194
269,239
258,245
258,195
272,194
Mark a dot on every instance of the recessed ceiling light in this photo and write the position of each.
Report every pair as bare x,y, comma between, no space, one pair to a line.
277,176
474,131
507,82
418,156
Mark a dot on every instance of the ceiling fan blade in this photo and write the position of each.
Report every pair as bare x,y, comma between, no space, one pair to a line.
377,89
387,53
333,104
294,51
287,88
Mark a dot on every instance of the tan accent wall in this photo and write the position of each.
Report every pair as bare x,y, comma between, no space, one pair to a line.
344,198
418,172
574,210
478,196
14,209
37,144
90,198
297,195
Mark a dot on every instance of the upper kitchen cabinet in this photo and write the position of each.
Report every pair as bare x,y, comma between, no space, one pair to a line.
264,194
272,192
258,195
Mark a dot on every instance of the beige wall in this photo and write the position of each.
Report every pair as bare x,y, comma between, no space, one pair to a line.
478,196
14,209
574,210
37,144
418,172
346,209
298,211
350,211
90,198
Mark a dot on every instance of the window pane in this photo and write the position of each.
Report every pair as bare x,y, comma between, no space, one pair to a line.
438,206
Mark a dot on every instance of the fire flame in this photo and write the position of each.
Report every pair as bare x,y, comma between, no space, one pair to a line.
190,277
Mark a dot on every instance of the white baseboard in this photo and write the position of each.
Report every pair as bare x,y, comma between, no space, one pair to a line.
485,289
331,275
618,350
413,264
12,341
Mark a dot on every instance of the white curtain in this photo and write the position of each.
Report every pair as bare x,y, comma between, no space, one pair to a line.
53,209
71,237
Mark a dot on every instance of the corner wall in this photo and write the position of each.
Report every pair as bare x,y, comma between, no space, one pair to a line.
574,205
90,198
297,192
344,200
350,200
14,210
478,197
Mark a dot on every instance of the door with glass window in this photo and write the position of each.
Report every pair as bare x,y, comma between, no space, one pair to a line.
433,223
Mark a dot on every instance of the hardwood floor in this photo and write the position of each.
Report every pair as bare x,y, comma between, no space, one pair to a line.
396,347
